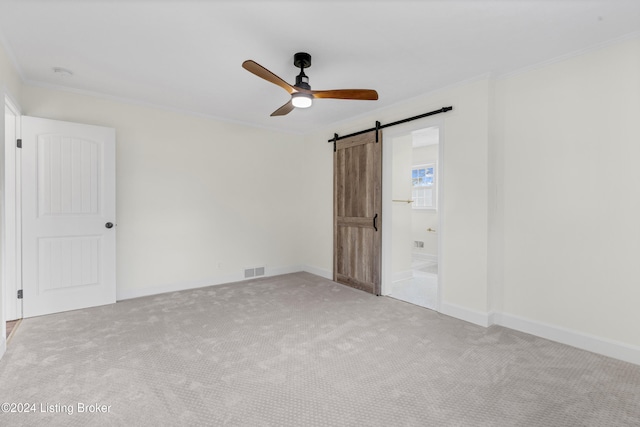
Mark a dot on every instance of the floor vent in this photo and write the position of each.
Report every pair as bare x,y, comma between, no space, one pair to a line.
253,272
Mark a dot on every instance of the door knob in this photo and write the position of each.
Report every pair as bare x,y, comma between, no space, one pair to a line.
109,225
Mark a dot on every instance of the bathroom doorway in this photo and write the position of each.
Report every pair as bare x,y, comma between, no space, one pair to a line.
416,194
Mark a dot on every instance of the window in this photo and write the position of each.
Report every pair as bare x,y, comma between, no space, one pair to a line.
423,186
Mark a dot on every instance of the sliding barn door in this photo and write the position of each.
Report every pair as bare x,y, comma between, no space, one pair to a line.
357,204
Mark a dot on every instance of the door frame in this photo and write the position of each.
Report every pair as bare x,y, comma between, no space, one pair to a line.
387,204
11,236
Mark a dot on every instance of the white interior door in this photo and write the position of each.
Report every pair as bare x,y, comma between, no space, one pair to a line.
68,216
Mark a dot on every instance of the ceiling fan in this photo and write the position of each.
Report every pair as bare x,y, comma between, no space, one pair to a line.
301,94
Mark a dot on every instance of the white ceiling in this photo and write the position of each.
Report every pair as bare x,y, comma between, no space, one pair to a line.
186,55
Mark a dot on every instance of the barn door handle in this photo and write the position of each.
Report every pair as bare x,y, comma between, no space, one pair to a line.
375,218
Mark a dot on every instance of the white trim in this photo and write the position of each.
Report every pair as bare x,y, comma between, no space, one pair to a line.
603,346
615,349
124,294
492,318
18,209
424,256
441,213
3,343
11,233
327,274
13,104
399,276
462,313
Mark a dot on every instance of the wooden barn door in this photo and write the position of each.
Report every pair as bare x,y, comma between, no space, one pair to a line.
357,210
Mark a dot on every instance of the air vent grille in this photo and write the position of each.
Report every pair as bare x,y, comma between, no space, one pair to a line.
253,272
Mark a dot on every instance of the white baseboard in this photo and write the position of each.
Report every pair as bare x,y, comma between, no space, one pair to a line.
327,274
402,275
606,347
123,294
424,256
468,315
283,270
3,346
594,344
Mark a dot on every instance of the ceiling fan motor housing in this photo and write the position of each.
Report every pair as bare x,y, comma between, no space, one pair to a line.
302,81
302,60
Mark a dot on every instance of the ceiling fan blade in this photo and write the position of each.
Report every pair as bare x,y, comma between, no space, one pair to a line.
363,94
285,109
262,72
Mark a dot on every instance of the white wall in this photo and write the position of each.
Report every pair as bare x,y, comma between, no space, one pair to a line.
198,200
465,134
569,140
401,240
539,218
10,82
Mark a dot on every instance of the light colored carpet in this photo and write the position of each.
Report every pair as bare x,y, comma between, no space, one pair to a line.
299,350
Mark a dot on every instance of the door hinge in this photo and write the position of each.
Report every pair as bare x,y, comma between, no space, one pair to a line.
19,143
20,294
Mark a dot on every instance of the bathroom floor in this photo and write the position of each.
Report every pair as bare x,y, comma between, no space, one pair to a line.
422,289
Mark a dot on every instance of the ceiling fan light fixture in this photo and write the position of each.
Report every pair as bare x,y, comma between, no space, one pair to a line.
301,100
301,94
